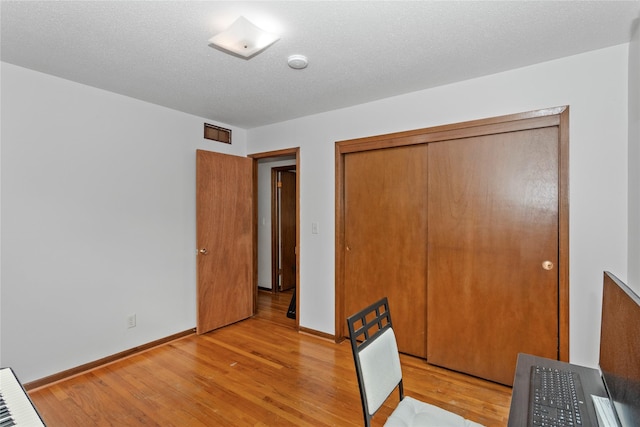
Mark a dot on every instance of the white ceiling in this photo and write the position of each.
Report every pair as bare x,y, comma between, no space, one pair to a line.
358,51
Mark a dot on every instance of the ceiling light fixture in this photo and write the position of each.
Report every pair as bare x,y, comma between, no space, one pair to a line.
297,62
244,39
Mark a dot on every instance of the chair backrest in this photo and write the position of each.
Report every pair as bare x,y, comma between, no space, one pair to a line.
375,354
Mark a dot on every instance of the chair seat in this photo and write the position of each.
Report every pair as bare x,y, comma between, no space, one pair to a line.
412,412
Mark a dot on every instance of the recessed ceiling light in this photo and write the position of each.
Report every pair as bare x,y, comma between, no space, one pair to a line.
297,62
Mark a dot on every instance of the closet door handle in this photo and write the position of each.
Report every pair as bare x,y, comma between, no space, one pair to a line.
547,265
203,251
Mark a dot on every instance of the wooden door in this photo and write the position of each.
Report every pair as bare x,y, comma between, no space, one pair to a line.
287,230
385,225
493,251
224,229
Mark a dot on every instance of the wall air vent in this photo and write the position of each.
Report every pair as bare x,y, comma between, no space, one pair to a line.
217,133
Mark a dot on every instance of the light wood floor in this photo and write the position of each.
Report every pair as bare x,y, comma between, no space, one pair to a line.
258,372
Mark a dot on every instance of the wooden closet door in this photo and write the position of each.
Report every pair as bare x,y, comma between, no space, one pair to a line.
385,237
493,228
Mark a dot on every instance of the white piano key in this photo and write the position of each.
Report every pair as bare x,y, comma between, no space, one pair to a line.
17,401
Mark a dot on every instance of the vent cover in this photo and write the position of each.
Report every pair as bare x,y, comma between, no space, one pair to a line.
217,133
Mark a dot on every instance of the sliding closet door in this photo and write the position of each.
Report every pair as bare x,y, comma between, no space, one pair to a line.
385,225
493,251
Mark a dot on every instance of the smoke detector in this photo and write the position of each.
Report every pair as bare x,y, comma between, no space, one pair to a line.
297,62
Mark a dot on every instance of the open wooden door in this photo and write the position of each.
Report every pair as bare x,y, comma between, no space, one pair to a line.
287,230
224,233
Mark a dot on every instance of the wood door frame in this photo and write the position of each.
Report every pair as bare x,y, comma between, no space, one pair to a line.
266,155
275,225
557,116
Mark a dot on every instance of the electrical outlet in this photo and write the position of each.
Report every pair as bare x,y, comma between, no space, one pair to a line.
131,321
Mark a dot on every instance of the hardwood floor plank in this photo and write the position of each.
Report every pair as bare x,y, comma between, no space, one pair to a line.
258,372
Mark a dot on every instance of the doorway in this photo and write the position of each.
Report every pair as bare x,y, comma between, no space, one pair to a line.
277,233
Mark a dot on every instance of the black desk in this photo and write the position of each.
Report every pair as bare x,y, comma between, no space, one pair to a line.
591,383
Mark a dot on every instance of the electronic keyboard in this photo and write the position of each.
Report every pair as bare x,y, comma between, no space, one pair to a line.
16,408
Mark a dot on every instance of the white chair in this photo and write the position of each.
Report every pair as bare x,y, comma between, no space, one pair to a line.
375,353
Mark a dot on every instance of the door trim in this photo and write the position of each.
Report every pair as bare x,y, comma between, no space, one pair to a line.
265,155
557,116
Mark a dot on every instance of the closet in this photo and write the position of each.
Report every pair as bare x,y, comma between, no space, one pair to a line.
465,228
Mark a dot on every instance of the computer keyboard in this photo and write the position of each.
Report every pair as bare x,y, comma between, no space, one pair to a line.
555,398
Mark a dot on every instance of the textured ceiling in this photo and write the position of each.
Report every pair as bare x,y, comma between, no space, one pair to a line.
358,51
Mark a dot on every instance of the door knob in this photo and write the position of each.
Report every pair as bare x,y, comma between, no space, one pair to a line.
203,251
547,265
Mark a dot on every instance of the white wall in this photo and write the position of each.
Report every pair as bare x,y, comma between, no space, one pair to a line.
98,221
98,196
264,217
634,159
593,84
